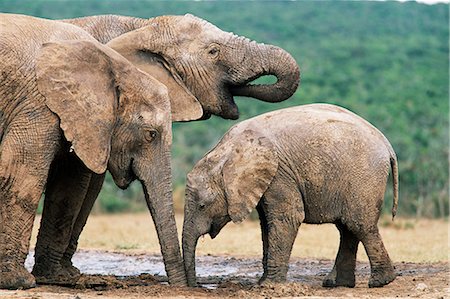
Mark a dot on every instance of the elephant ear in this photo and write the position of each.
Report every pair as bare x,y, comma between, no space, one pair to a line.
184,105
76,79
248,172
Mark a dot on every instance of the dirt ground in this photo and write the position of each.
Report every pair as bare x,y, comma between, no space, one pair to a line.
415,280
229,266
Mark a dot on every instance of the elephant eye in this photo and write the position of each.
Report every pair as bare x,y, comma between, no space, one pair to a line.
201,206
213,51
150,134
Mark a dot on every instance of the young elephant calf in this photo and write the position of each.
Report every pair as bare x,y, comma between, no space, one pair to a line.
315,164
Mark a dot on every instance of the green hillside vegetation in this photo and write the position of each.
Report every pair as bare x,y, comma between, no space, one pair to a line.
386,61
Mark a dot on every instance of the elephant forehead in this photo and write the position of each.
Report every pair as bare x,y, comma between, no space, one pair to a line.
156,116
198,30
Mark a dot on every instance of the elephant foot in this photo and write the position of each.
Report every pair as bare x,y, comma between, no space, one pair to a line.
381,278
15,278
56,274
266,280
70,268
333,280
262,279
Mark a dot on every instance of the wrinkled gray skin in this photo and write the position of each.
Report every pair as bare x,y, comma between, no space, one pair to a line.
203,68
314,164
70,108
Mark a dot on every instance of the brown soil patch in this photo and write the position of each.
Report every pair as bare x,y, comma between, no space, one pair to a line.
415,280
423,243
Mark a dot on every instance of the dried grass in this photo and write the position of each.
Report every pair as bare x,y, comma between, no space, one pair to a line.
405,239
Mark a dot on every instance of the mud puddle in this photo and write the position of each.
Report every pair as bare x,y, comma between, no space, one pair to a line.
115,275
209,268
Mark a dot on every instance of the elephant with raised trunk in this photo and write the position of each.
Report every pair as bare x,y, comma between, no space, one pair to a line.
71,108
190,55
203,68
313,164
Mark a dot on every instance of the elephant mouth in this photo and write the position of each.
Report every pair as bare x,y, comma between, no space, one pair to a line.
217,225
231,90
213,234
214,230
229,109
206,115
227,106
124,180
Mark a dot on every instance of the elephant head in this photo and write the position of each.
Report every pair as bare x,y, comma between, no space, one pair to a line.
116,117
225,185
204,67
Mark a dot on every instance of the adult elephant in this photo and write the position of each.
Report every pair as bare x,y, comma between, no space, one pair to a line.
70,108
203,68
189,54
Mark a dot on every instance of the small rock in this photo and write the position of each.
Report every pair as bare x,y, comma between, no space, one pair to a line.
421,287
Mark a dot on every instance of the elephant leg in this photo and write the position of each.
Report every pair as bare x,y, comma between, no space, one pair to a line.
94,188
25,159
381,268
66,189
19,199
264,236
282,208
343,273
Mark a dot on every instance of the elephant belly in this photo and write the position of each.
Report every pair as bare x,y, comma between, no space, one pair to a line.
319,215
321,207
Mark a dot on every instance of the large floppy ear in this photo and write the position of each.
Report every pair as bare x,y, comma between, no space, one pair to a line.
76,79
248,172
184,105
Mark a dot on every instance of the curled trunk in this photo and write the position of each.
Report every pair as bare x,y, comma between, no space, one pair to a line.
269,60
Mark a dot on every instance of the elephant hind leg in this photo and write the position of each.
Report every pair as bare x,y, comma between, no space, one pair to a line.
381,268
366,229
343,273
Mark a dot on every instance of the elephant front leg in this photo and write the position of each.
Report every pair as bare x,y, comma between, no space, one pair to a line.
343,273
281,237
282,211
94,188
18,204
66,189
23,174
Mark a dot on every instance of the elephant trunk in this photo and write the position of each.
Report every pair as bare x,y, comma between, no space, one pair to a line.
158,194
190,239
269,60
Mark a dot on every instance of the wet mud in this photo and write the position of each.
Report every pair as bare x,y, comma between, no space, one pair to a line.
114,275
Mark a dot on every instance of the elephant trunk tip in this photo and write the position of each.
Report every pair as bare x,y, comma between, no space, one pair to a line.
279,63
189,245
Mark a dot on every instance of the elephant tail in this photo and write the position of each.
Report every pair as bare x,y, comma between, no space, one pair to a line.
394,171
